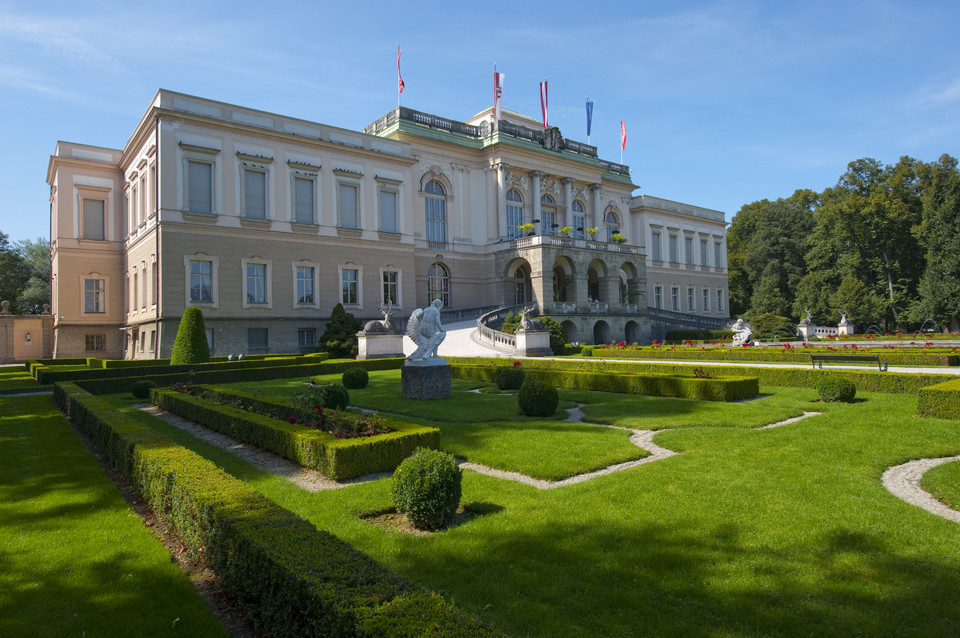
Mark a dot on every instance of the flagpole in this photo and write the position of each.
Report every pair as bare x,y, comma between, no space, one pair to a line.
399,90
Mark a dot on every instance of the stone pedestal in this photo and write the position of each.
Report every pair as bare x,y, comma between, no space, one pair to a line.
534,343
379,345
426,381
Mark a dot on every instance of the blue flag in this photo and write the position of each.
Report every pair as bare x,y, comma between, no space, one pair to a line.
589,116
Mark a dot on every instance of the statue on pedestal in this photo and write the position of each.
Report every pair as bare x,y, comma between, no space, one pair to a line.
741,332
425,329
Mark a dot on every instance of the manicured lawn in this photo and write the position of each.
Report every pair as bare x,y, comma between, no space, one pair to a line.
74,557
745,532
943,482
18,380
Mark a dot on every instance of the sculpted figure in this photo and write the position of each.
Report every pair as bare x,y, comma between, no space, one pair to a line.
741,332
426,331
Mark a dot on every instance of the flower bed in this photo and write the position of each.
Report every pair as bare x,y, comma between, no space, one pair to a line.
268,425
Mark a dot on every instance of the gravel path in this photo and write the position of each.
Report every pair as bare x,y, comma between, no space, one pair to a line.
307,478
903,481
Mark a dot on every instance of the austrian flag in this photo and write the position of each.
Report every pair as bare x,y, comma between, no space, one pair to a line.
399,77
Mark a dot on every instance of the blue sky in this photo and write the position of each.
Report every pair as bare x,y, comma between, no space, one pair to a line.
725,103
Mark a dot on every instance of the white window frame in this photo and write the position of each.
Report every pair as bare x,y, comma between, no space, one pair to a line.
718,254
303,329
706,300
398,302
316,284
720,300
675,298
688,250
436,228
579,218
200,155
656,249
513,208
359,270
439,294
102,296
94,194
658,297
245,171
302,171
691,300
267,284
214,280
355,184
673,247
390,186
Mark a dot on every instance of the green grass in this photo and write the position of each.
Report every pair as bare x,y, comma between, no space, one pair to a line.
74,557
746,532
943,482
18,380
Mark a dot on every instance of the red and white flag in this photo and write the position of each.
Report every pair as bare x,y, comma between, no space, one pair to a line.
623,135
497,93
543,101
399,77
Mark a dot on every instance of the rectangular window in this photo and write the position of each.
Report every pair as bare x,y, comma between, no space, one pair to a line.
688,249
95,343
703,253
655,249
549,218
303,200
578,221
143,340
135,205
153,340
154,282
256,283
674,256
136,291
143,198
691,300
675,298
436,220
514,220
93,290
658,297
717,261
348,286
349,213
201,281
209,332
305,285
199,189
390,288
254,194
706,300
719,301
307,337
93,219
388,212
257,339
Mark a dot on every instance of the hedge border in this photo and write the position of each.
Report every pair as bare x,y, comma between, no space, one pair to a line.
340,459
728,388
291,578
772,354
941,400
865,380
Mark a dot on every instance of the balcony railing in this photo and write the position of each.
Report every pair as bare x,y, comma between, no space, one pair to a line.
569,242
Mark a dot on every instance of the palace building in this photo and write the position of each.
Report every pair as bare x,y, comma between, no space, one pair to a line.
266,222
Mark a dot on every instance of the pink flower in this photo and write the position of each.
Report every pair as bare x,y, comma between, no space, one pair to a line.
292,419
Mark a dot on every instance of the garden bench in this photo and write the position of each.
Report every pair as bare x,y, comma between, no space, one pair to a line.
817,360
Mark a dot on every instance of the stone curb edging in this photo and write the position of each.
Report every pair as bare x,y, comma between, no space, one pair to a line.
903,481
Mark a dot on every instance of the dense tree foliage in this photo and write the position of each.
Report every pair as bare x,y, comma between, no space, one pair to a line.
340,336
882,245
25,274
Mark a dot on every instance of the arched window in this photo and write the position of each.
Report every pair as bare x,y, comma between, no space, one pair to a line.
435,208
579,218
438,283
613,224
548,215
514,213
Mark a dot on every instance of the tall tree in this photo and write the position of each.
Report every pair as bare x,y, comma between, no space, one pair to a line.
36,263
939,233
12,273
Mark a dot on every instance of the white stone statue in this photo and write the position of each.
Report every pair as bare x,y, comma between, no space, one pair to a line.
426,331
741,332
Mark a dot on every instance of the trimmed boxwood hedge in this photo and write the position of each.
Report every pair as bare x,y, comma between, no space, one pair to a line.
941,400
291,578
942,357
339,459
865,380
660,383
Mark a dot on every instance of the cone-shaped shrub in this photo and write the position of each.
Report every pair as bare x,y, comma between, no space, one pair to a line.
191,343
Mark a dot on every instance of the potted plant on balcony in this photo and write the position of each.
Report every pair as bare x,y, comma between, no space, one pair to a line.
618,238
526,229
565,231
592,231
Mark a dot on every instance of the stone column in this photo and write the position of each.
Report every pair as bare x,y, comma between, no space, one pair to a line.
501,198
566,217
595,215
535,192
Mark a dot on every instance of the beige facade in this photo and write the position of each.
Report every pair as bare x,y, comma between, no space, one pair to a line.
266,222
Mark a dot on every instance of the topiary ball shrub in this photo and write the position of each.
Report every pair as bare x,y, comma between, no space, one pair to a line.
538,399
334,396
426,488
141,388
836,388
508,377
190,345
355,378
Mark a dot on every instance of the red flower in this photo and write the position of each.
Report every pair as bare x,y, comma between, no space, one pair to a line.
516,363
292,419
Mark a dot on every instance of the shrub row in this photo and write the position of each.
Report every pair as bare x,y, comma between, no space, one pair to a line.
207,373
865,380
647,382
792,355
101,370
941,400
339,459
698,335
291,578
